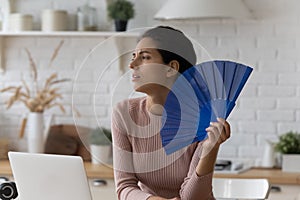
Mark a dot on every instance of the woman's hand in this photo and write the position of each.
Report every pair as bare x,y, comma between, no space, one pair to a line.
217,133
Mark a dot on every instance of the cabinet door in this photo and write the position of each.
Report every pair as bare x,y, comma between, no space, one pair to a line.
287,192
103,191
106,192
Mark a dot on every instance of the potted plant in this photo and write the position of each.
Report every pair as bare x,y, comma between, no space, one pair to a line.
289,147
100,140
121,11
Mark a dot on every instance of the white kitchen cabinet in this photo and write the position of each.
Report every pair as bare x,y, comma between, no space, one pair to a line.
288,192
106,192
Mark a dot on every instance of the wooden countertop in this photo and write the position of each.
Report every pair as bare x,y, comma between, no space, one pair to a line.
275,176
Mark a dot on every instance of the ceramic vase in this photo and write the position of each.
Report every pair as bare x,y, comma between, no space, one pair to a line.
269,155
35,132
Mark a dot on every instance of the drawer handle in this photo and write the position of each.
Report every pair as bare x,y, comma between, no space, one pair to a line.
275,188
99,182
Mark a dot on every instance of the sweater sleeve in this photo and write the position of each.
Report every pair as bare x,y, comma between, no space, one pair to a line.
196,187
125,179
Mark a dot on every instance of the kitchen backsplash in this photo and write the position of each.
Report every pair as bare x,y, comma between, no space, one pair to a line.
268,106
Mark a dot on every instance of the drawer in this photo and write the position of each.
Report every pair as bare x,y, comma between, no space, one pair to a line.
99,191
288,192
103,191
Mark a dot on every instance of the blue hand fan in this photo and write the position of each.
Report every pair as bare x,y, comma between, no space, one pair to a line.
198,96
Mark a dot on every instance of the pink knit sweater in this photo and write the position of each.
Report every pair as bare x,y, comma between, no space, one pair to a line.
142,168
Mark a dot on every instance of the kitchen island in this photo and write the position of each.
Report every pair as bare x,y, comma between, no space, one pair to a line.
274,175
287,183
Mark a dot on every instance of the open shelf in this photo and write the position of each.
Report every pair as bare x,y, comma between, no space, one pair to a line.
104,34
71,33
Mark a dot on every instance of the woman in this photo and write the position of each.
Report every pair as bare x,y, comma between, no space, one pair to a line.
141,167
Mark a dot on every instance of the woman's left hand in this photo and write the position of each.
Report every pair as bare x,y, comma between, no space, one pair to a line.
217,133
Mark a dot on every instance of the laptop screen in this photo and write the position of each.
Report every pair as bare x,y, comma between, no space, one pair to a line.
48,176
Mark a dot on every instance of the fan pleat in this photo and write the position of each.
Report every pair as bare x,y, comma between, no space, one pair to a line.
199,96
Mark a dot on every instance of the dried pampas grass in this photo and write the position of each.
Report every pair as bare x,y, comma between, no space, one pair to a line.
37,99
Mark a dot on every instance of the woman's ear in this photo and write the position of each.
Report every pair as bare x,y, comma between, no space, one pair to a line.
174,68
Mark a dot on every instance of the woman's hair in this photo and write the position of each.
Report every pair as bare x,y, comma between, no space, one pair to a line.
172,44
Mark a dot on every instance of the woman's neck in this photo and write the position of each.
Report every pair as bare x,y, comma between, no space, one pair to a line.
155,103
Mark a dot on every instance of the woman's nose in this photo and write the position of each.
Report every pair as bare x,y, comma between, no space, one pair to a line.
133,63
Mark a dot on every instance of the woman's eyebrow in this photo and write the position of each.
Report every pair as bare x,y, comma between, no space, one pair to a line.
141,52
144,51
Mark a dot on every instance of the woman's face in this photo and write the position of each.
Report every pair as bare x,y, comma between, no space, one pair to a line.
149,70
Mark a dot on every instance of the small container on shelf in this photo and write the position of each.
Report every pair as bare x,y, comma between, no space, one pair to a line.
86,18
20,22
54,20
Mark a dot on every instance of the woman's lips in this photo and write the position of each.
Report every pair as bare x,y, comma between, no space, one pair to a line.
135,77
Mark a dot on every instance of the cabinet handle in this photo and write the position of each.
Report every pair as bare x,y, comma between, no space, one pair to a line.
99,182
275,188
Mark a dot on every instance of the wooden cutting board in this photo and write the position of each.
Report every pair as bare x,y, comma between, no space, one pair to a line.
68,140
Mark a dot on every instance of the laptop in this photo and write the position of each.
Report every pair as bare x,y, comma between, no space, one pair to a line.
49,176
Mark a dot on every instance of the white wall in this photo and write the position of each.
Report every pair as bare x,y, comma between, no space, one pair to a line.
268,106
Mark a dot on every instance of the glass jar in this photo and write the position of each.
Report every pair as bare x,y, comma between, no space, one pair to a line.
86,18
